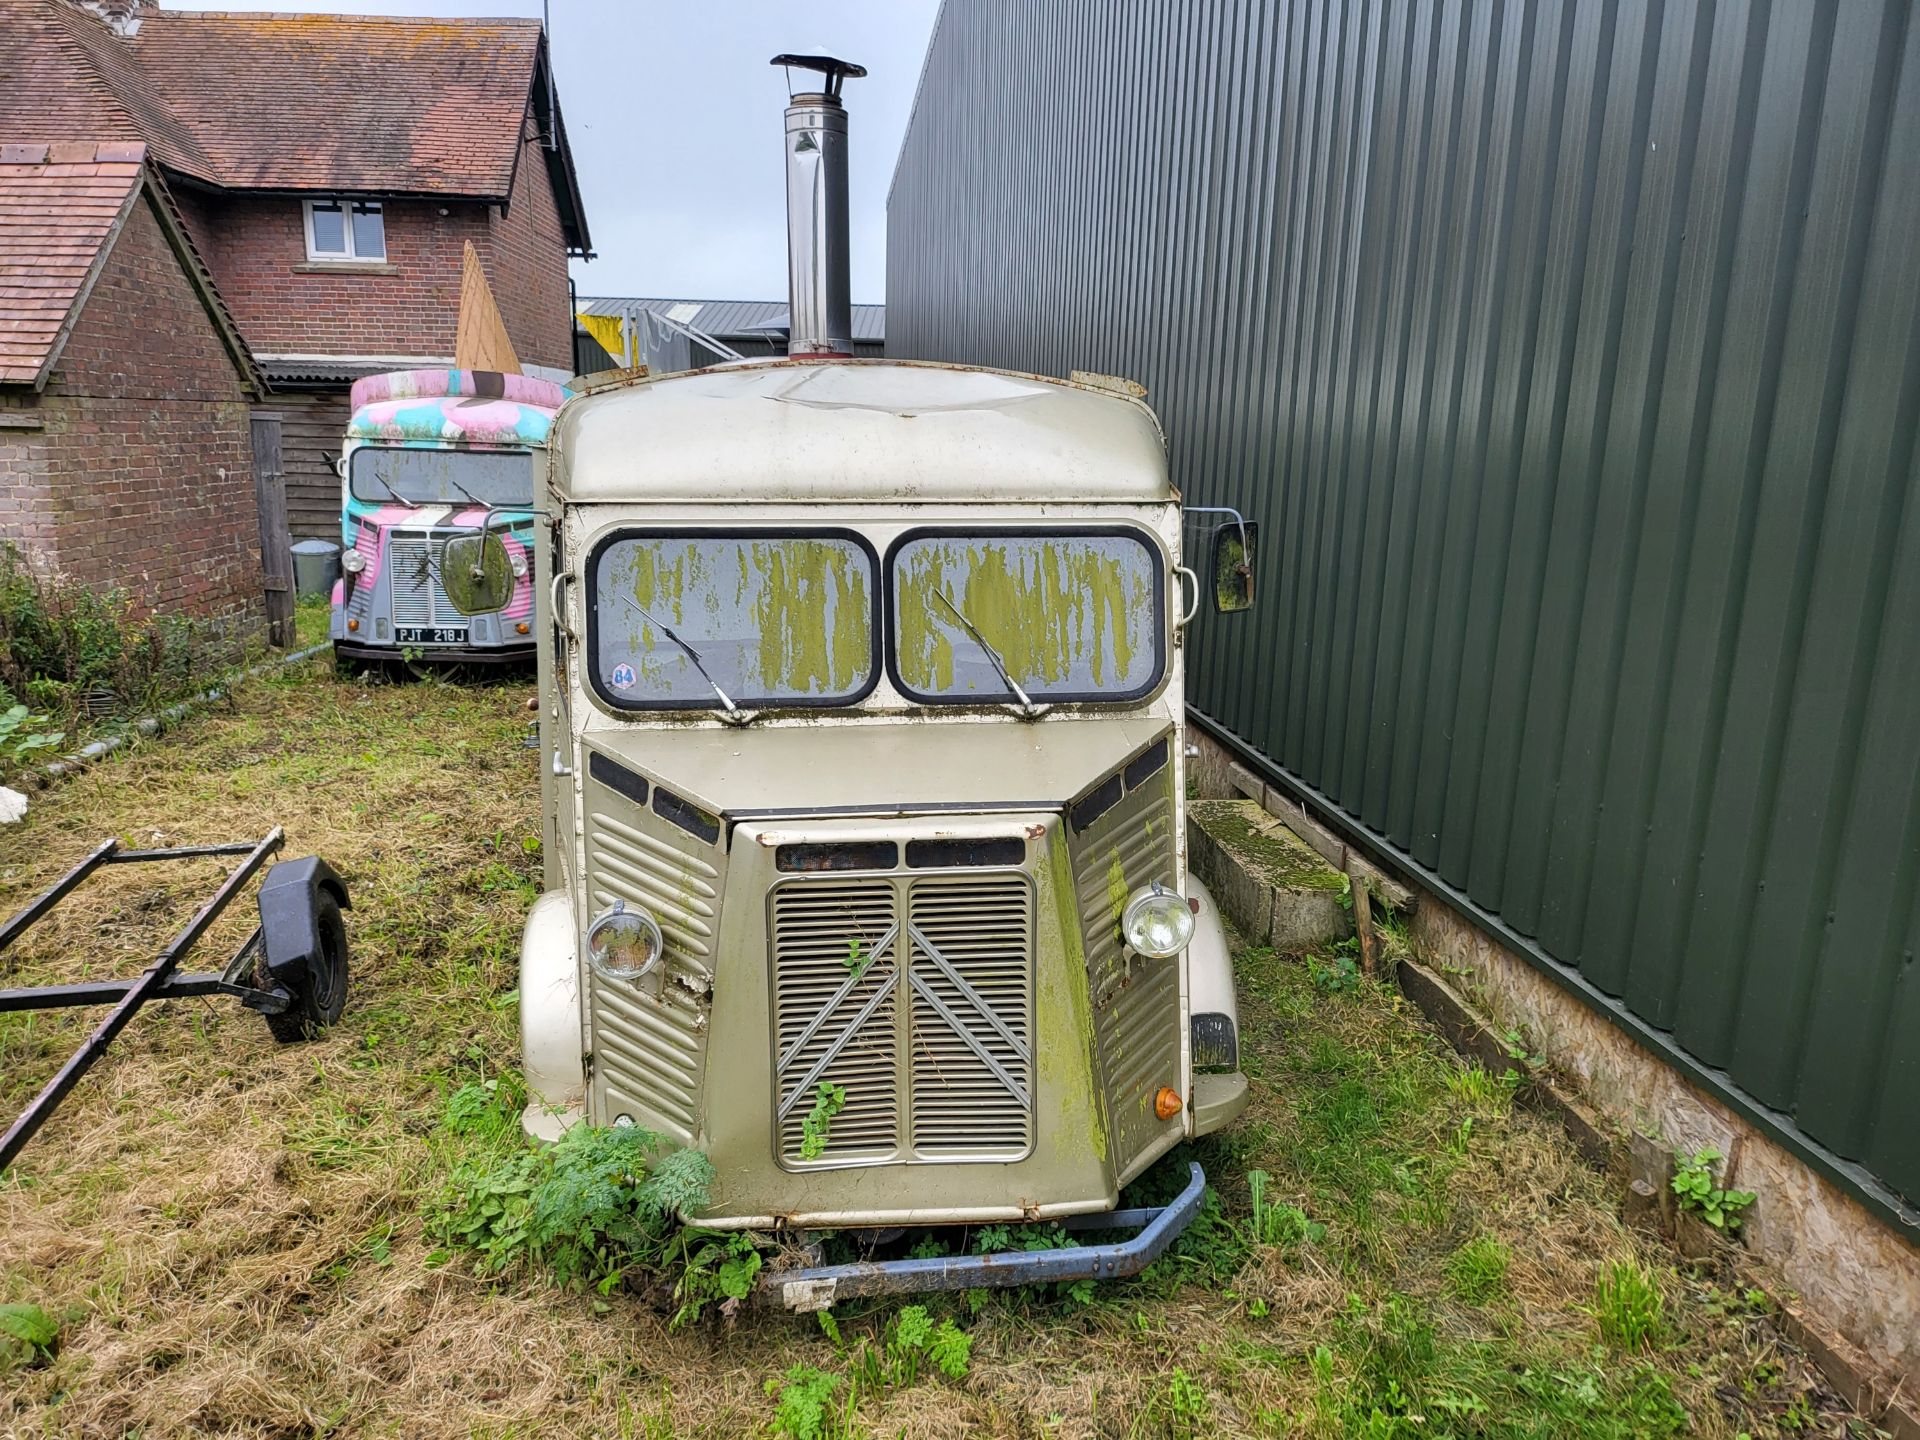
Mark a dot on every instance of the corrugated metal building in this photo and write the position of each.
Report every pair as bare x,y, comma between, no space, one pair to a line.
751,327
1569,356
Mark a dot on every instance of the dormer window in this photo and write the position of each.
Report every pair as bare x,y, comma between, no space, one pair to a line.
346,230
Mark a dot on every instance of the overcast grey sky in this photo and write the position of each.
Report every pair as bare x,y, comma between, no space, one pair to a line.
674,118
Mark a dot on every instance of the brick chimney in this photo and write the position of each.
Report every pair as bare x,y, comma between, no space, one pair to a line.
122,16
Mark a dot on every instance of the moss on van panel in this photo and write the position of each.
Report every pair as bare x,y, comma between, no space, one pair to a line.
1073,1053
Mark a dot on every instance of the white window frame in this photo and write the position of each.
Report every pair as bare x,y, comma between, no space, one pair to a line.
348,256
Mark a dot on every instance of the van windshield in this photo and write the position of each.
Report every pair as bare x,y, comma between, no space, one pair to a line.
383,474
1072,615
680,617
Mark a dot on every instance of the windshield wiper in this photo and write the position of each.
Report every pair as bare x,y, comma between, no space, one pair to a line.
735,715
399,499
1029,710
392,494
472,499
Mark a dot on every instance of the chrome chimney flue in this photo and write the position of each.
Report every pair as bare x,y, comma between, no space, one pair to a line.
819,291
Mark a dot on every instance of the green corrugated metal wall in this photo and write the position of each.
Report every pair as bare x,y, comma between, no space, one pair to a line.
1569,356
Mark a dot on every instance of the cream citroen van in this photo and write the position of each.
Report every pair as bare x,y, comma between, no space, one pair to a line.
863,744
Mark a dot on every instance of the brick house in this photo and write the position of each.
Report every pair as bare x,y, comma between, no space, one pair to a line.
330,170
122,462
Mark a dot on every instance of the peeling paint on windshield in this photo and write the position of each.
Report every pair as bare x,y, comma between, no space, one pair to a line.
770,618
1068,614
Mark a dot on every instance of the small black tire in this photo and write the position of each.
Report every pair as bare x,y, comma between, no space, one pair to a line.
317,1000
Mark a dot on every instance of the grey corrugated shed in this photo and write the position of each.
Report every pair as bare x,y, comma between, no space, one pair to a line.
741,319
1569,355
321,370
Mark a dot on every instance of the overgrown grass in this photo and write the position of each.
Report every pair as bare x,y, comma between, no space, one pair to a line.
231,1238
72,651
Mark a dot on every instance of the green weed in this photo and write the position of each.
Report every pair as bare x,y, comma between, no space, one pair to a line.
719,1269
1519,1049
998,1239
18,740
1334,974
28,1336
804,1406
1474,1087
911,1347
1188,1413
857,956
1278,1224
828,1100
1461,1138
1393,1375
74,650
1693,1183
911,1343
486,1110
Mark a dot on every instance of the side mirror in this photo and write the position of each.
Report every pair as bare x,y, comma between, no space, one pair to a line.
476,573
1233,551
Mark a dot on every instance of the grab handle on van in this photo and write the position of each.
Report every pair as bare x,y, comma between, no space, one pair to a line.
562,712
1193,606
558,605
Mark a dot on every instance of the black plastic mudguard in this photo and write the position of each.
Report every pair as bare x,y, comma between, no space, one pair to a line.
289,904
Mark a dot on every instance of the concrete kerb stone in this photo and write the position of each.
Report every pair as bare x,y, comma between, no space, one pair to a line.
1275,890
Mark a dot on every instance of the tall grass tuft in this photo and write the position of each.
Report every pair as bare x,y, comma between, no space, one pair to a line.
1628,1307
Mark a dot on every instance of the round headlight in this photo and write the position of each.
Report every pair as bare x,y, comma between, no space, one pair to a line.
1157,922
624,944
352,561
518,564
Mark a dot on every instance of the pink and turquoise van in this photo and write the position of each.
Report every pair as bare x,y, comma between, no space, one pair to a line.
429,455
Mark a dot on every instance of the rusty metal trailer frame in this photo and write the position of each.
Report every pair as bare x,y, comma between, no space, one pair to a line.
287,950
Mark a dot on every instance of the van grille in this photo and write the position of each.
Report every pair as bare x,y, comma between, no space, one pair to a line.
413,563
966,1060
649,1049
915,994
678,889
1136,1001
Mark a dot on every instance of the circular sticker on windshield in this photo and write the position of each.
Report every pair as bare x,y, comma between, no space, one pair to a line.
622,677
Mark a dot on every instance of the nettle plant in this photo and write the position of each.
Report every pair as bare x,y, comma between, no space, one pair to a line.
20,736
587,1209
1693,1183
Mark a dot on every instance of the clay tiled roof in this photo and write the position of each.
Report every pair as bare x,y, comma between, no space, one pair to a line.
345,102
334,103
63,75
60,207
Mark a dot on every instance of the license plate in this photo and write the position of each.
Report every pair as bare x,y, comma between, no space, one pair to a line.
430,634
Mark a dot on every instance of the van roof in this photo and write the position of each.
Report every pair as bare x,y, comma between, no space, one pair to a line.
858,430
478,408
455,382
